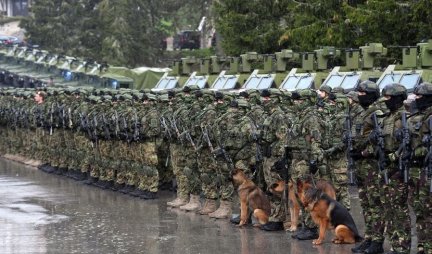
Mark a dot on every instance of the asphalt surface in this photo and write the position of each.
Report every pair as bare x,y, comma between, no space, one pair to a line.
43,213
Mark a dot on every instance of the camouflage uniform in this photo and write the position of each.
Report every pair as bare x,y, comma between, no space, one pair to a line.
273,135
420,197
394,195
368,178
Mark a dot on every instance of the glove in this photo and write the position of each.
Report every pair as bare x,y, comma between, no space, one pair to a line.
218,153
313,166
355,154
330,151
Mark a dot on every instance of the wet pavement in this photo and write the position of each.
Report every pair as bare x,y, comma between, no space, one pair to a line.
42,213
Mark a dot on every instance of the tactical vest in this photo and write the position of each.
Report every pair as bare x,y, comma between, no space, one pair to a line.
391,144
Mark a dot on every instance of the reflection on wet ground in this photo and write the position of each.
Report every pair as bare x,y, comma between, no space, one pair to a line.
41,213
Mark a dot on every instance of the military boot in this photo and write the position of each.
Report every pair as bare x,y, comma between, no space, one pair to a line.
375,248
308,234
127,189
193,205
209,207
362,246
224,211
177,202
273,226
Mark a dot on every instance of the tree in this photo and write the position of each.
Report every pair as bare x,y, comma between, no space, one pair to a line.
249,25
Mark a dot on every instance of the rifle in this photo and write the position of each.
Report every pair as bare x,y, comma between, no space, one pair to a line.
404,150
207,138
136,134
105,127
51,119
258,154
165,127
189,138
350,148
428,159
286,178
380,148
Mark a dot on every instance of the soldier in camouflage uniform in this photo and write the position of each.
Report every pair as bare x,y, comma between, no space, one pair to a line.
207,163
335,154
273,135
395,194
368,177
183,153
309,159
420,196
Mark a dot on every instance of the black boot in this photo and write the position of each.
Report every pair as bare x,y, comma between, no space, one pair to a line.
362,246
90,180
127,189
117,186
308,234
273,226
148,195
137,193
300,230
375,248
235,219
80,176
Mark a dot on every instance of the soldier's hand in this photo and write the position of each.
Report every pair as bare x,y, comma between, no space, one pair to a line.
313,166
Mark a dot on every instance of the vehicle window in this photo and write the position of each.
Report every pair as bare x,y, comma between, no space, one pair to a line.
350,81
230,82
252,83
334,81
266,82
389,79
410,80
305,82
290,83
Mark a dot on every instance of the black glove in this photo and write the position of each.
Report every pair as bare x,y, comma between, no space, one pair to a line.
218,153
279,167
355,154
313,166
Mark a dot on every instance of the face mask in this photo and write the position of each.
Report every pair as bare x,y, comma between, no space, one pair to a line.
423,103
367,99
394,103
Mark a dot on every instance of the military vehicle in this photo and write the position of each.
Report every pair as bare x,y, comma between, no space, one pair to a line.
208,73
360,66
416,67
179,74
314,68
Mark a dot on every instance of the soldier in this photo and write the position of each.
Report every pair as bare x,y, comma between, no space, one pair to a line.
420,172
395,193
368,178
273,135
335,152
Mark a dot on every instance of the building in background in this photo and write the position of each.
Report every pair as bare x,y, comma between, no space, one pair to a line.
15,7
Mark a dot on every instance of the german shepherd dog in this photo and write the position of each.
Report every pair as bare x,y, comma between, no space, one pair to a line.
296,193
328,213
250,196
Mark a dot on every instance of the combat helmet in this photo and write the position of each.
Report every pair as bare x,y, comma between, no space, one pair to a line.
425,100
371,91
397,94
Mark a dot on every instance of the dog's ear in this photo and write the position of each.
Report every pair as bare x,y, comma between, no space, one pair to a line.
235,171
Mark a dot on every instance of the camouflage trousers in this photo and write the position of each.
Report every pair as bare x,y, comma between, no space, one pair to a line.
394,197
179,160
278,212
300,169
339,177
215,177
369,184
421,200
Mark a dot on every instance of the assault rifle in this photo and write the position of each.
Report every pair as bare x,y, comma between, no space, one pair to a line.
380,152
136,134
105,127
207,138
165,127
404,150
286,176
257,175
428,159
350,148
